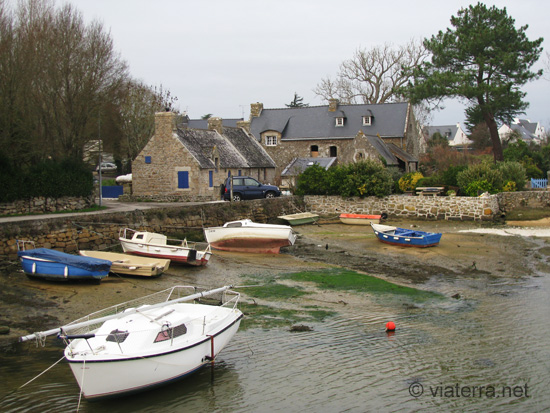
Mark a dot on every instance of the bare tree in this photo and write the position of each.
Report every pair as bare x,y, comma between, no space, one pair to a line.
373,76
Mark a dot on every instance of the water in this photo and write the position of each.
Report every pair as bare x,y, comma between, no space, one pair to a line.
487,351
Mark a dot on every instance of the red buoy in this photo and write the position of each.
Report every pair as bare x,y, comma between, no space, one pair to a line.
390,326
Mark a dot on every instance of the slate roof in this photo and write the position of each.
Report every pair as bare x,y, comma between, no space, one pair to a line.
299,165
203,123
316,122
383,149
446,131
236,149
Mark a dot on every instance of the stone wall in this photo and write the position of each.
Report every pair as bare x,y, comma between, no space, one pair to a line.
403,206
100,231
45,205
508,201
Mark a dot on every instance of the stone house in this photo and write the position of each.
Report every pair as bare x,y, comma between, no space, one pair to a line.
454,134
190,164
529,132
348,133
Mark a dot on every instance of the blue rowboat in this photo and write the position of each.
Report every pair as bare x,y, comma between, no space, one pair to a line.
56,265
405,237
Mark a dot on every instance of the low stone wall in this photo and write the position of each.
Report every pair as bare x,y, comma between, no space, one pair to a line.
101,231
508,201
404,206
45,205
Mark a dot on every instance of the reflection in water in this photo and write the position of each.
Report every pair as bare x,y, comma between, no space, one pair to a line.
496,336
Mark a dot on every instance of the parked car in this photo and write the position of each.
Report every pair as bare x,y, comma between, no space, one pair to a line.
106,167
246,187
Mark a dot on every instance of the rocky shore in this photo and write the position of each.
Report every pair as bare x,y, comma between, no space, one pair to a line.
467,249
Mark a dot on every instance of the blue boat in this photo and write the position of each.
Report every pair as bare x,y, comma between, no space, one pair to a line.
405,237
56,265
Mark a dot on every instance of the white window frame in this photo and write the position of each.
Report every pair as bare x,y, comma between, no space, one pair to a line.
270,140
367,121
339,121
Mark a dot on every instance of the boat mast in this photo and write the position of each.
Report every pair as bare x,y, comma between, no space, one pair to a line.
69,327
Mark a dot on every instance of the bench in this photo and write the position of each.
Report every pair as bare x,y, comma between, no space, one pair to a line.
429,190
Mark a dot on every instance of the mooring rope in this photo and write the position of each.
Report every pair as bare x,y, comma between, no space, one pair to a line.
30,381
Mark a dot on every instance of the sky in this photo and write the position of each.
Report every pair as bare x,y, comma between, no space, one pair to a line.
219,56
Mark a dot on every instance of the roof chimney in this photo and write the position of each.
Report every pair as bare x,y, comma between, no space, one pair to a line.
165,123
333,105
256,109
215,124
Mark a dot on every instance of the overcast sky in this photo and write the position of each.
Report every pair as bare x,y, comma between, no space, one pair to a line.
219,56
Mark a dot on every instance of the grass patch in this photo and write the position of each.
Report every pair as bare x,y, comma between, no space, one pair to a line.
347,280
267,317
274,291
527,214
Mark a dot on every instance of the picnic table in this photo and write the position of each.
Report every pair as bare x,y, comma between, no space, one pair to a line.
429,190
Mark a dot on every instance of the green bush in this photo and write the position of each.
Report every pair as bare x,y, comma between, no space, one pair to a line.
513,171
368,178
481,176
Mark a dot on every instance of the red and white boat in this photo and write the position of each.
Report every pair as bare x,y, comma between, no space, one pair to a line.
248,236
151,244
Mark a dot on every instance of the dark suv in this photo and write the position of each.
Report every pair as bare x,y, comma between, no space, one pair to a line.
245,187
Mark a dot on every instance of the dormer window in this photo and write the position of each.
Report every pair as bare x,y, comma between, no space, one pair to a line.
339,121
367,120
270,140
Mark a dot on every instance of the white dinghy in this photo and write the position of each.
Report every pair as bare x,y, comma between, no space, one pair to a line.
147,342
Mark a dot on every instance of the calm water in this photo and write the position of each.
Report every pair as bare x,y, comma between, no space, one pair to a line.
490,350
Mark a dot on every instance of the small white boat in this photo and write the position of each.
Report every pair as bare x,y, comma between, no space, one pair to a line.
151,244
360,219
140,346
131,264
248,236
300,218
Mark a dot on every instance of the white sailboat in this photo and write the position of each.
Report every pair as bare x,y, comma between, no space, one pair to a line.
147,342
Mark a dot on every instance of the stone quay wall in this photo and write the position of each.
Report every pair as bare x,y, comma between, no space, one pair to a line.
430,207
45,205
100,231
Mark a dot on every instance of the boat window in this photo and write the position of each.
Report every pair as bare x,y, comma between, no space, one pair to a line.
168,333
139,236
117,336
234,224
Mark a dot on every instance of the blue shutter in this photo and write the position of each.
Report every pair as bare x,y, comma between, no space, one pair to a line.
210,179
183,179
147,159
239,173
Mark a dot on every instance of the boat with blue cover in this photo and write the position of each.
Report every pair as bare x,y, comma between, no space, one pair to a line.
405,237
56,265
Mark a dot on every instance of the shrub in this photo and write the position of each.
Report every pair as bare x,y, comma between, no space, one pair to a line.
514,172
408,182
481,177
368,178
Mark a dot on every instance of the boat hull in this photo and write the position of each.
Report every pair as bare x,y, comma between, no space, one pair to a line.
359,219
263,238
131,264
173,253
120,376
406,238
300,218
55,265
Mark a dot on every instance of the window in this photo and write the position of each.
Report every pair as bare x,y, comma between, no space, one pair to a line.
367,121
333,151
216,164
147,159
210,179
239,172
271,140
314,148
168,333
340,121
117,336
183,179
